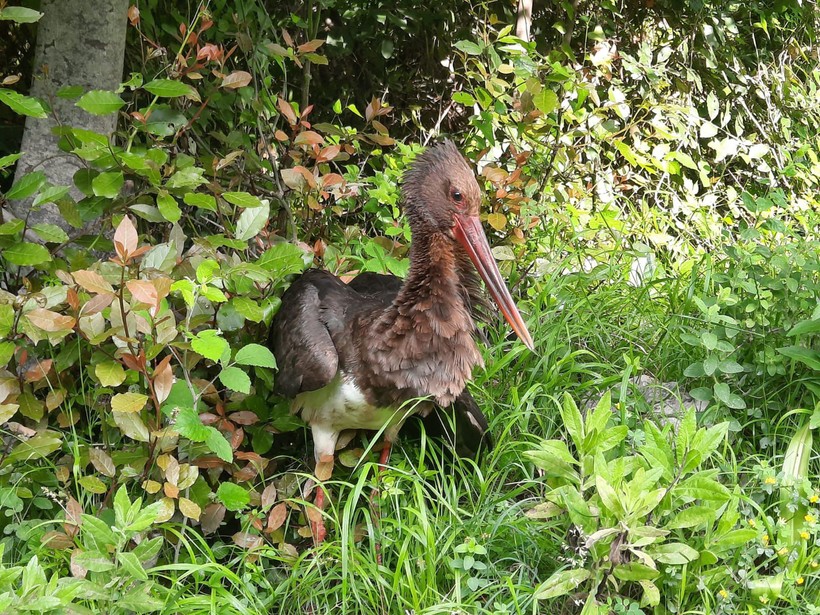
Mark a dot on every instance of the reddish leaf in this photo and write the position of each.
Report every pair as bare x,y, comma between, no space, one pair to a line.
209,52
163,379
287,111
268,496
144,292
245,474
39,371
56,540
50,321
125,238
381,139
77,571
134,15
276,517
328,153
280,135
331,179
236,79
171,491
212,517
247,540
237,438
308,137
287,37
244,417
73,516
96,304
310,46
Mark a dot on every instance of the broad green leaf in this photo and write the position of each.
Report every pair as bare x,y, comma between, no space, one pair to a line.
168,88
189,425
38,447
251,221
12,227
210,345
734,539
732,400
100,102
561,583
573,421
131,565
233,496
94,561
674,553
546,101
110,373
26,185
235,379
256,355
19,14
50,194
50,233
242,199
128,402
692,517
219,445
108,184
26,254
24,105
248,308
469,47
805,327
168,206
808,357
131,425
203,201
9,160
92,484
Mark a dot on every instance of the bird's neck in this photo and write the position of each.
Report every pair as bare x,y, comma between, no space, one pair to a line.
424,340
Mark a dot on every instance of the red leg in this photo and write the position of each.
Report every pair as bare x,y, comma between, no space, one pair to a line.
385,456
317,522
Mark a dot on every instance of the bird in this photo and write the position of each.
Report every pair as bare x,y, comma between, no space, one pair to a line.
367,354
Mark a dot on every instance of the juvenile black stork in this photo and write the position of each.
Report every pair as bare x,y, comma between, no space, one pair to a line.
352,356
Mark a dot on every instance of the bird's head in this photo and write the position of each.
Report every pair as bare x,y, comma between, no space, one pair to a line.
441,195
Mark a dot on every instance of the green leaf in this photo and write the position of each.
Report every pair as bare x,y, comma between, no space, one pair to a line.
674,553
561,583
9,160
732,400
203,201
546,101
248,308
20,14
100,102
50,233
189,425
168,88
211,345
94,561
131,564
251,221
131,425
108,184
242,199
469,47
804,327
24,105
218,444
26,185
734,539
692,517
168,206
93,484
12,227
26,254
464,98
38,447
110,373
573,421
235,379
70,91
233,496
50,194
808,357
730,367
256,355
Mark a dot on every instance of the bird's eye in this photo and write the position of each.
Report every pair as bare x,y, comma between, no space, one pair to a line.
456,196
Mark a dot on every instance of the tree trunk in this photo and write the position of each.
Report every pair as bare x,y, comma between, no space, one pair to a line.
523,20
81,42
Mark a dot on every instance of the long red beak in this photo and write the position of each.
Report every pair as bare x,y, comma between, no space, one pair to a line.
469,234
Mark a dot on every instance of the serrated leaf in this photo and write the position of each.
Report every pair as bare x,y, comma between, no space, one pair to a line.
256,355
235,379
234,497
128,402
100,102
218,444
210,345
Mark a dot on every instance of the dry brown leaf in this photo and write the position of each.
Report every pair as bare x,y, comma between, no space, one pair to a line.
211,518
237,79
268,496
276,517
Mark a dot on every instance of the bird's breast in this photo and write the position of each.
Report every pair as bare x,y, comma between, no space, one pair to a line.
343,405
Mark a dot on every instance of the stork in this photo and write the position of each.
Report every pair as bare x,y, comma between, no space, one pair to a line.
354,356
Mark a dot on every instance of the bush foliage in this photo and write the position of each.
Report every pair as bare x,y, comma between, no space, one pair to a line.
650,174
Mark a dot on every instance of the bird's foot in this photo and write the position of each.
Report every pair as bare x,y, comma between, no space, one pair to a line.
323,472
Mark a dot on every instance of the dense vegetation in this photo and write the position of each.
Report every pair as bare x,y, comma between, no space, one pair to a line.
651,172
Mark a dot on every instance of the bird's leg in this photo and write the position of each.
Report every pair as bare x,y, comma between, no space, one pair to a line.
324,447
385,456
